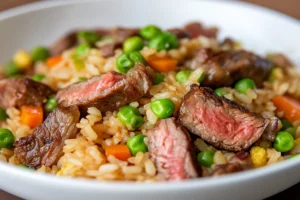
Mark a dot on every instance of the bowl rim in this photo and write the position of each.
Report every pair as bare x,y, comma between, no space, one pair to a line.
126,186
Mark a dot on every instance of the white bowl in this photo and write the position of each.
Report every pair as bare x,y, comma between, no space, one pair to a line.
259,29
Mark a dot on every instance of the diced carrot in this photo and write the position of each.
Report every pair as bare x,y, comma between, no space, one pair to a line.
162,64
53,60
290,107
31,116
120,151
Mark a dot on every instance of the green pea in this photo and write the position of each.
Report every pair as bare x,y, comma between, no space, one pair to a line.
164,41
38,77
136,144
51,104
126,61
82,49
285,124
82,79
243,85
133,44
3,115
272,76
162,108
11,69
40,53
78,63
201,78
88,37
219,92
136,56
206,158
159,78
150,31
131,117
7,139
284,141
183,76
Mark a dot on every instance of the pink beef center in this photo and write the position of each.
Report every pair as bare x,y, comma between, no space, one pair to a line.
171,157
225,127
91,89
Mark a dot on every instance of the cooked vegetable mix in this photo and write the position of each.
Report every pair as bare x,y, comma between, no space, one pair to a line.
31,116
164,41
158,78
120,151
51,104
136,144
3,115
11,69
126,61
82,49
183,76
87,37
133,44
38,77
219,92
130,117
206,158
40,54
244,85
6,138
162,64
162,108
149,32
52,61
284,141
147,104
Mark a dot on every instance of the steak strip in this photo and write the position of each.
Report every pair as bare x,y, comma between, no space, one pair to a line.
169,147
224,68
107,92
44,146
17,92
220,122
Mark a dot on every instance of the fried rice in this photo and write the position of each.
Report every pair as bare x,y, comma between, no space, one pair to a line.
84,156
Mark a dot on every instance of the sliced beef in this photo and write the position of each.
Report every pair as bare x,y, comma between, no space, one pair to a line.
271,130
44,146
196,29
227,43
180,33
169,147
202,55
220,122
280,60
240,162
108,50
107,92
16,92
119,35
65,42
223,68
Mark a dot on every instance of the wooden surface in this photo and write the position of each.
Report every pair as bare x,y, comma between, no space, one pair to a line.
290,7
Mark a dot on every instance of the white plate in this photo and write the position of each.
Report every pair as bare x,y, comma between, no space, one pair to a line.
259,29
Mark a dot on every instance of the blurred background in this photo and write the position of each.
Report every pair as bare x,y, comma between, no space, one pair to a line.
289,7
